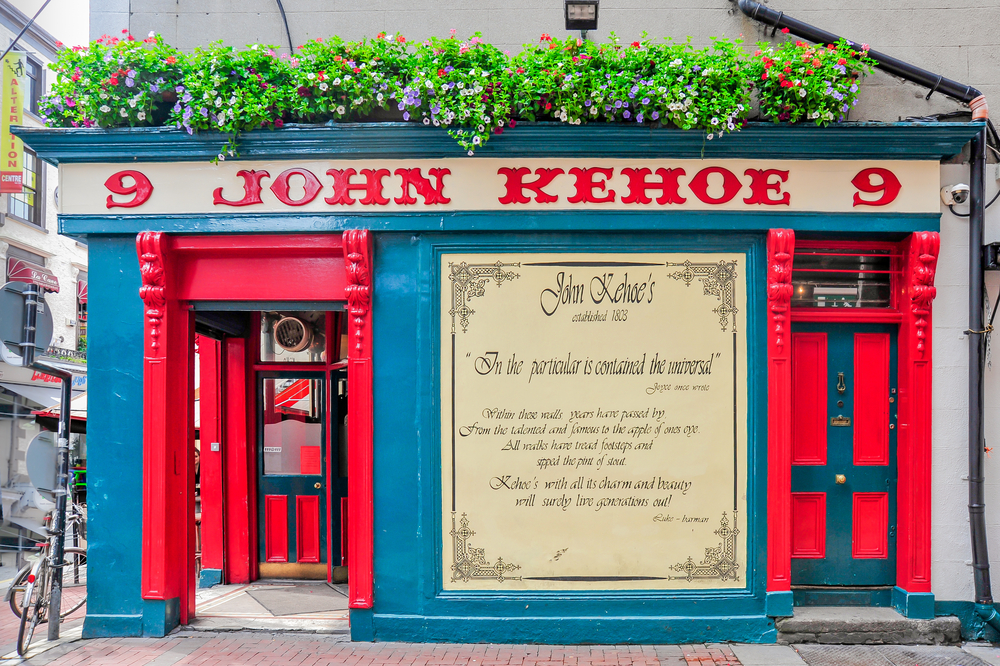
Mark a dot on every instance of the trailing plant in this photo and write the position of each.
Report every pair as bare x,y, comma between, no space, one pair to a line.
800,82
114,82
470,88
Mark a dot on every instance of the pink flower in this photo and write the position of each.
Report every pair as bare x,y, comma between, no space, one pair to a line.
278,122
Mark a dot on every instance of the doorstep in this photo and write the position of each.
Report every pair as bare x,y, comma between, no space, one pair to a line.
861,625
272,606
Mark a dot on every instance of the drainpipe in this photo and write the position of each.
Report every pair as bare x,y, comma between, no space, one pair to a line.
977,216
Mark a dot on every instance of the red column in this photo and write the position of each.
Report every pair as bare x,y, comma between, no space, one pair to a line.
211,474
913,441
780,252
358,264
168,433
237,461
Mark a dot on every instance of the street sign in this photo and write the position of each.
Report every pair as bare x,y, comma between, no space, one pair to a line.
12,323
40,459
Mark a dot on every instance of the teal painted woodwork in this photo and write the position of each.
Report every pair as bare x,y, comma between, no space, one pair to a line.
779,604
881,596
973,626
890,226
916,605
409,601
209,578
839,567
854,141
114,460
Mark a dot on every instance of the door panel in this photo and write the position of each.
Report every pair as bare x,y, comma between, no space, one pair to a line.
809,525
275,528
292,444
809,399
844,451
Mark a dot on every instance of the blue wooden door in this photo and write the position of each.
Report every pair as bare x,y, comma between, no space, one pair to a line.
844,403
291,474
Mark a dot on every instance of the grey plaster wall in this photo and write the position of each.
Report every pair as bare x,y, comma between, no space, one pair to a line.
956,38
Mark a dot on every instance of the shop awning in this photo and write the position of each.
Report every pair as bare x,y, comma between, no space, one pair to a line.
19,270
49,418
81,291
42,395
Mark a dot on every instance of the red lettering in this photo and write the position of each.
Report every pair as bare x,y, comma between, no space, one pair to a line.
761,187
889,187
251,189
515,185
432,194
140,187
668,186
281,186
586,184
730,185
342,186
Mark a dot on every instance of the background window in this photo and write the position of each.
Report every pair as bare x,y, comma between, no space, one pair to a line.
33,85
28,206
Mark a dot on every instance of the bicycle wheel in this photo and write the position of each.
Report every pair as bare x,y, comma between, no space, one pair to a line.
17,585
74,581
35,602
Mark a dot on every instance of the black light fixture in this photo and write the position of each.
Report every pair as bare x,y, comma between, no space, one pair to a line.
581,15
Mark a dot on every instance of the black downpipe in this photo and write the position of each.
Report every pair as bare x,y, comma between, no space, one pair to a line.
887,63
977,334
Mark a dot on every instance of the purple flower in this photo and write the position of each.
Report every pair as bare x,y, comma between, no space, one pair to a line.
696,68
406,115
204,112
187,97
655,115
587,102
153,88
401,106
845,108
638,118
840,68
627,114
187,113
177,107
129,83
618,104
645,100
69,102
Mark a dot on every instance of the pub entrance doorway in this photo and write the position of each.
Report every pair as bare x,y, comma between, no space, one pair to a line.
844,417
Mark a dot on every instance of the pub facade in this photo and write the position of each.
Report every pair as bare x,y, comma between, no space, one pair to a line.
590,385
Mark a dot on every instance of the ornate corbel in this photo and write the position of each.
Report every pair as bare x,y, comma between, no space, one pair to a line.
780,251
924,247
153,290
357,253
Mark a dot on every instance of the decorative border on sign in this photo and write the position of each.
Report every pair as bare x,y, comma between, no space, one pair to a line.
718,279
469,281
470,563
719,562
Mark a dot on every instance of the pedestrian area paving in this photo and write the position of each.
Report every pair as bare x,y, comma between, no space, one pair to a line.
258,648
315,607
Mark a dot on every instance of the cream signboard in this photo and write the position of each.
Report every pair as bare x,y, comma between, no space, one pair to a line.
594,421
339,187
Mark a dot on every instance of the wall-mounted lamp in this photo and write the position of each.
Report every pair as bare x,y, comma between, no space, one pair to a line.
581,15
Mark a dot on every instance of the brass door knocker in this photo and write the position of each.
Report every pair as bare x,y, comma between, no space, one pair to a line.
841,386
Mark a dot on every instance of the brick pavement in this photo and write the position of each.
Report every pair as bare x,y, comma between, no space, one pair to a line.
267,649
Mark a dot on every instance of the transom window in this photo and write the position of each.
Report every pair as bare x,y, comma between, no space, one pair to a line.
842,275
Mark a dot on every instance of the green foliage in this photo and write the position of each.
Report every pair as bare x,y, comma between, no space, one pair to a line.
470,88
801,82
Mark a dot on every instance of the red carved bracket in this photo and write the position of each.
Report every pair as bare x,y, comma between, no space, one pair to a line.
924,248
357,252
780,252
150,245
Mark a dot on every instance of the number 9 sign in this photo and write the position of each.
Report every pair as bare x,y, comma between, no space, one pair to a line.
867,182
141,188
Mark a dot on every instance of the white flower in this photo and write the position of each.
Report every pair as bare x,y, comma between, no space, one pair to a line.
310,76
323,86
427,121
131,103
476,140
151,34
103,95
218,101
141,115
802,92
222,158
341,109
715,121
379,96
388,38
232,100
105,108
471,153
124,113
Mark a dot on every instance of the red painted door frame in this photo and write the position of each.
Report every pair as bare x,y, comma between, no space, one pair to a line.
913,293
212,473
176,270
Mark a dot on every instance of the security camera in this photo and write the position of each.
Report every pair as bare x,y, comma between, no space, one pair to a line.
955,194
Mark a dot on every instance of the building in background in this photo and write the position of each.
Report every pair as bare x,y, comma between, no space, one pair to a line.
30,243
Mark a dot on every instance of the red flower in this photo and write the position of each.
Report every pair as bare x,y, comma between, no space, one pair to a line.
124,31
278,122
816,62
546,37
171,60
512,123
520,70
548,105
763,77
59,44
113,80
842,61
498,130
809,71
357,69
787,70
784,30
337,58
401,39
635,45
380,35
441,72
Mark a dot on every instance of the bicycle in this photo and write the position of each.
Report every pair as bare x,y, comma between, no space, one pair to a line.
30,594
